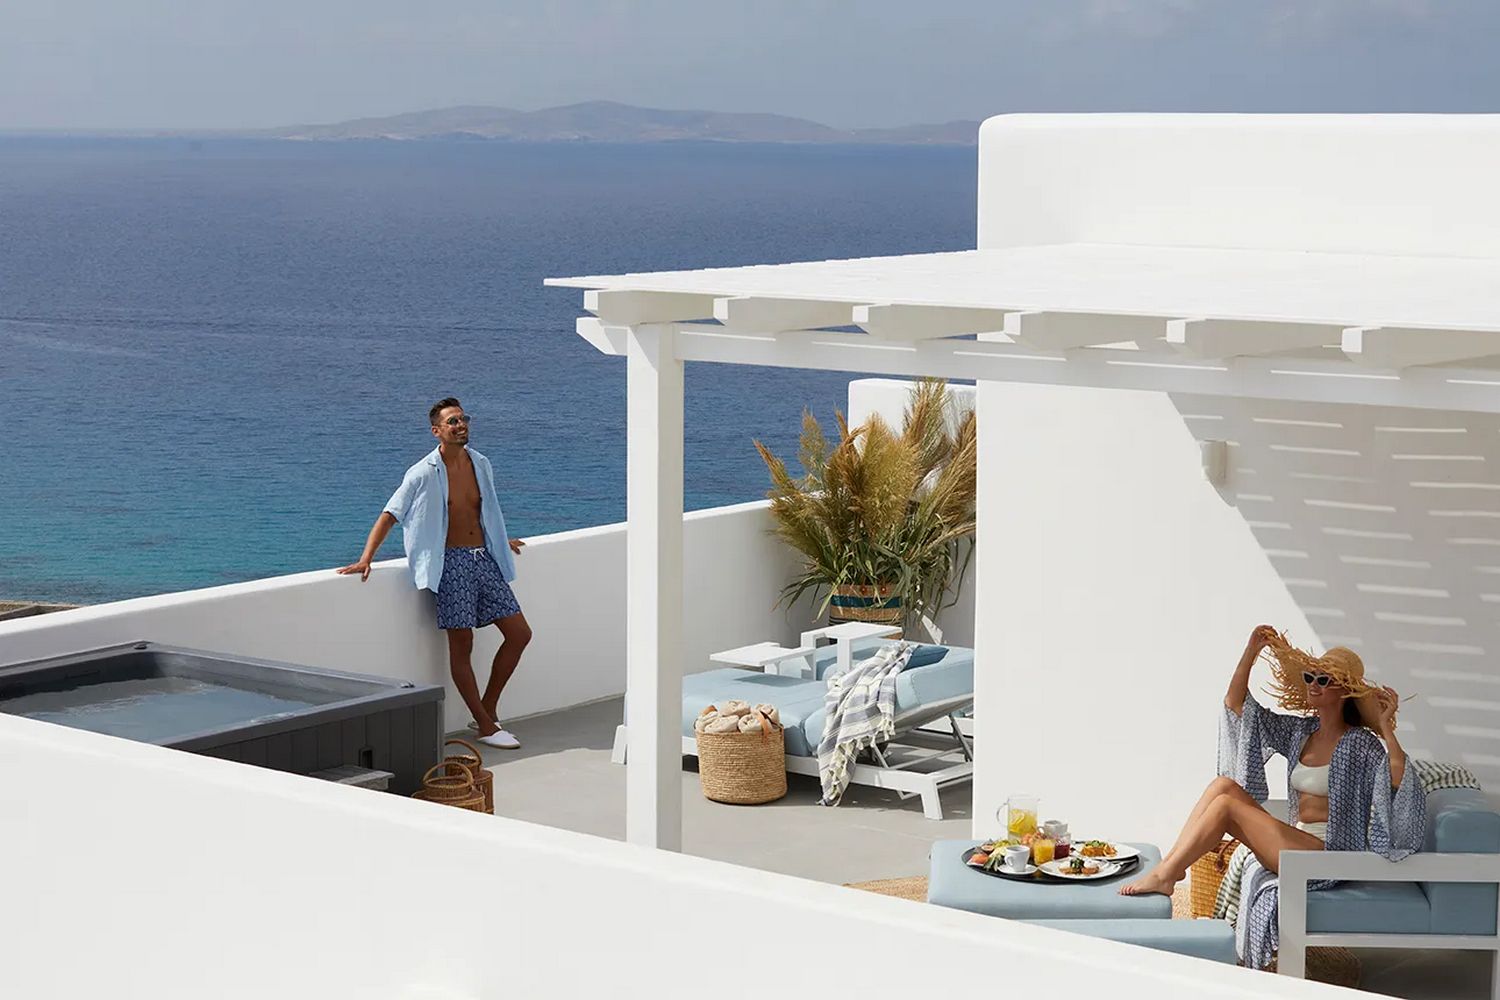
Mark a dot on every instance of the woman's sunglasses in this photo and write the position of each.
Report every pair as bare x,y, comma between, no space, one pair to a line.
455,421
1321,680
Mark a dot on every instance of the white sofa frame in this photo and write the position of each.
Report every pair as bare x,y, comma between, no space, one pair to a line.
1298,867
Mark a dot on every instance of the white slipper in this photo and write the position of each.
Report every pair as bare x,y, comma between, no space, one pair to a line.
501,740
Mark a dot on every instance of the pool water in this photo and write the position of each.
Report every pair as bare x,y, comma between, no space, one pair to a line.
153,709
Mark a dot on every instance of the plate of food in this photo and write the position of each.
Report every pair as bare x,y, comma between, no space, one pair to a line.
1104,850
1078,868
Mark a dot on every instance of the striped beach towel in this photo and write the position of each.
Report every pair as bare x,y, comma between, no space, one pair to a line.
861,712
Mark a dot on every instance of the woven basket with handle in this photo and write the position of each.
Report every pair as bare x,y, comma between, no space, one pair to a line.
457,790
472,764
1207,874
743,768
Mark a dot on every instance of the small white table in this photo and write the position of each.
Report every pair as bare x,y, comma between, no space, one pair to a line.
846,635
773,658
770,657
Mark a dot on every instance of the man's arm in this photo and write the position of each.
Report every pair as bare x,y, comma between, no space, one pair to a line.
382,527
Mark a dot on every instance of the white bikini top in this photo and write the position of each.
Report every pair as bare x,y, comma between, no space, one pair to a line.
1310,780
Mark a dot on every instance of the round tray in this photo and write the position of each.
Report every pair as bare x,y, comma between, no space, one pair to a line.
1126,867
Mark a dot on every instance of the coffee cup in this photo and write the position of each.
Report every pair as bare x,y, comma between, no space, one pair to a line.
1017,857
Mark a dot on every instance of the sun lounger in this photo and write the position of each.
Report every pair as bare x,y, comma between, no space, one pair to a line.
915,762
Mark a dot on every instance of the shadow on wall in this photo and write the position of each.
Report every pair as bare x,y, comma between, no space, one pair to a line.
1384,525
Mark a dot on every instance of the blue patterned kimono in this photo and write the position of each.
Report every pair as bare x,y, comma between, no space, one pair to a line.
1364,812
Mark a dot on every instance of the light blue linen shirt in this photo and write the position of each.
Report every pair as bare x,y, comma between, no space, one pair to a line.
420,503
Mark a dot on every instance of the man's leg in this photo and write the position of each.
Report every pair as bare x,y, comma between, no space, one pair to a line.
460,646
516,633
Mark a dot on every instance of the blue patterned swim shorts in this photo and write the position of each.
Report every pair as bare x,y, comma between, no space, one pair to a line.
472,593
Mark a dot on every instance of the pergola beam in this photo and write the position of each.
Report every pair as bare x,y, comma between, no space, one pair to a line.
1405,347
627,307
900,322
1306,380
1048,330
759,313
1236,338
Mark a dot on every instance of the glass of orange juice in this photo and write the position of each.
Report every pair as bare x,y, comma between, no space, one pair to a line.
1043,850
1020,815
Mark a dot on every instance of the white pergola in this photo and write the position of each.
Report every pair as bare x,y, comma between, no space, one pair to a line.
1143,264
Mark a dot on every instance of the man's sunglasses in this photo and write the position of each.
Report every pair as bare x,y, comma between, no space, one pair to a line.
455,421
1321,680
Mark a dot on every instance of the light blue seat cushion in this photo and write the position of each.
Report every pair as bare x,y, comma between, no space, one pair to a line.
1460,820
952,676
795,698
954,884
1210,939
1368,908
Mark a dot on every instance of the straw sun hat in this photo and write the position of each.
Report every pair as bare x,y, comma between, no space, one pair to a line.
1288,664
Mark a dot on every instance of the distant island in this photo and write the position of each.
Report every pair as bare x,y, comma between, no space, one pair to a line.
609,121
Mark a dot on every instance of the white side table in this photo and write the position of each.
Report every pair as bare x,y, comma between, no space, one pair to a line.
771,658
845,636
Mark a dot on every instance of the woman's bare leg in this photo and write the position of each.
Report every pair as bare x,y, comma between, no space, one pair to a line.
1247,822
1217,787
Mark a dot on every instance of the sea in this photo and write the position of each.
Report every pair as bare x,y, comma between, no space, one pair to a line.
217,356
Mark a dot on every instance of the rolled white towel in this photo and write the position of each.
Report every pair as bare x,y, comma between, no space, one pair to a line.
770,712
734,708
704,719
723,724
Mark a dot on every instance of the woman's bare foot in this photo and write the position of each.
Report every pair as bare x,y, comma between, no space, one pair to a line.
1156,881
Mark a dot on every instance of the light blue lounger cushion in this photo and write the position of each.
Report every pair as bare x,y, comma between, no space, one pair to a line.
1210,939
800,700
1368,908
1461,821
950,677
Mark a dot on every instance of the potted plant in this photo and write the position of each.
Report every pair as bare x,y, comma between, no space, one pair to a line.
884,521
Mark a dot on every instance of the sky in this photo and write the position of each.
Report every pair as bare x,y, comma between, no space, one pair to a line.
107,64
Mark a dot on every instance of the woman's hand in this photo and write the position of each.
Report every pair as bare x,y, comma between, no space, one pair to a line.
1260,639
1380,714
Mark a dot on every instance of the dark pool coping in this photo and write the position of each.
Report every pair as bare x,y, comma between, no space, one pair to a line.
390,693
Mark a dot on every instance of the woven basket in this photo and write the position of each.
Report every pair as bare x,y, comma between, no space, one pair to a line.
472,764
457,790
1335,966
743,769
1207,875
879,605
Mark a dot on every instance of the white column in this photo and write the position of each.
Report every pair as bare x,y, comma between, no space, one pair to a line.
653,598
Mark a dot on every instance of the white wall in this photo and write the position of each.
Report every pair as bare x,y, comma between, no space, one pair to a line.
1380,184
570,585
889,398
1106,559
1116,590
232,881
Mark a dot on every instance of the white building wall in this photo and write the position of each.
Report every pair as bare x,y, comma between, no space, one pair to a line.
571,587
230,881
1379,184
1116,592
1106,559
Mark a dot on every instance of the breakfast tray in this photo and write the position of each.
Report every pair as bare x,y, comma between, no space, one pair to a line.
1038,876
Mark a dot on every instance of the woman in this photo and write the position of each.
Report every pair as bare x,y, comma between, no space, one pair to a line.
1348,792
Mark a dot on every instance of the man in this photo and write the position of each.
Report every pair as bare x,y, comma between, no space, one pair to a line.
456,545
